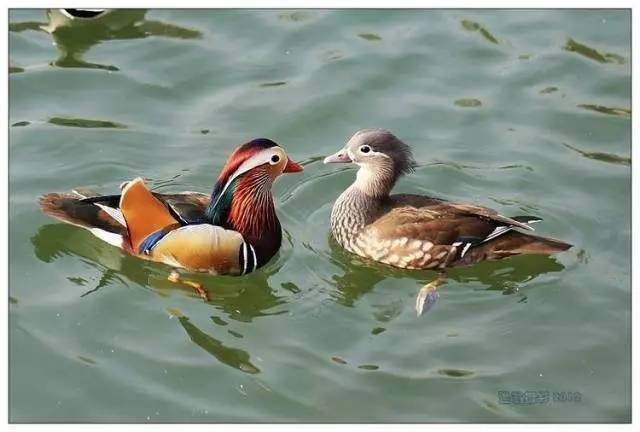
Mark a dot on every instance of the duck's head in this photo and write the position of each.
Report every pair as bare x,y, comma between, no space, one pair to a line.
247,177
381,156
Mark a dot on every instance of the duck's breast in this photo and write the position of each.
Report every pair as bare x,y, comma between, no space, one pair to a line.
201,247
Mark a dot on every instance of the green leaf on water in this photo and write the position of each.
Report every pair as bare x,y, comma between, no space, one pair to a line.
474,26
620,112
273,84
592,53
468,103
601,156
370,37
548,90
85,123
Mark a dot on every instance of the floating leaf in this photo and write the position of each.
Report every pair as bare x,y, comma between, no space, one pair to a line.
474,26
620,112
468,103
338,360
368,367
548,90
21,124
273,84
592,53
370,37
87,360
15,69
378,330
85,123
601,156
455,373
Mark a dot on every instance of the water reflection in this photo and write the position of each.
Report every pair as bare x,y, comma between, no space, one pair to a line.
234,357
74,36
241,299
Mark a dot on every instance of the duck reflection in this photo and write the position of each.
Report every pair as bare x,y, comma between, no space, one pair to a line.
234,357
360,276
74,33
241,299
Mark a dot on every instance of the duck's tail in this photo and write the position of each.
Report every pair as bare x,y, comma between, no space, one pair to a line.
517,243
104,223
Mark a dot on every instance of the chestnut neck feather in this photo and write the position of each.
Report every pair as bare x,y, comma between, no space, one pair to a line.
246,206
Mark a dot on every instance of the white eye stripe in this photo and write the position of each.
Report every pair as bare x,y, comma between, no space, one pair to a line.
260,158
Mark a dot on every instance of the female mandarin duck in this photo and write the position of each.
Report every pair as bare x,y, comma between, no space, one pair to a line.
414,231
234,231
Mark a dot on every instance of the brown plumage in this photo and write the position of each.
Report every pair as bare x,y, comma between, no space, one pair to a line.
414,231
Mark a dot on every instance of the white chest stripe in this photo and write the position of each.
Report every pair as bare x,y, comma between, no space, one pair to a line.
244,258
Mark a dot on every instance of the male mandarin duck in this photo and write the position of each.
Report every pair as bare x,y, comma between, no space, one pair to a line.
234,231
414,231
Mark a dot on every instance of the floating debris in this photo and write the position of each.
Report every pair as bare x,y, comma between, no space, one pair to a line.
592,53
548,90
85,123
477,27
524,57
273,84
338,360
204,131
15,69
21,123
601,156
455,373
368,367
372,37
620,112
13,300
378,330
468,103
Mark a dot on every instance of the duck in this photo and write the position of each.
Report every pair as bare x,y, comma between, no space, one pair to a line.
411,231
233,231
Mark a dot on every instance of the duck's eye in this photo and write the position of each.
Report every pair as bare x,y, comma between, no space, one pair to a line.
275,159
365,149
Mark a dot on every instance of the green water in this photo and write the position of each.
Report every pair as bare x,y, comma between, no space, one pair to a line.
523,111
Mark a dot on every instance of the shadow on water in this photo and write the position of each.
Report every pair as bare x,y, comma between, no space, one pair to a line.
74,36
360,276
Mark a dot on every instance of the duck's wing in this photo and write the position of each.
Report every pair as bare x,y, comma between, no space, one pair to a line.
435,234
186,207
143,213
448,208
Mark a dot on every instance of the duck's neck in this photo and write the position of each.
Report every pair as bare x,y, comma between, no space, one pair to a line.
375,181
249,210
351,213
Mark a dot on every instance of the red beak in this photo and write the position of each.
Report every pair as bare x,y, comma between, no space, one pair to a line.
292,167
